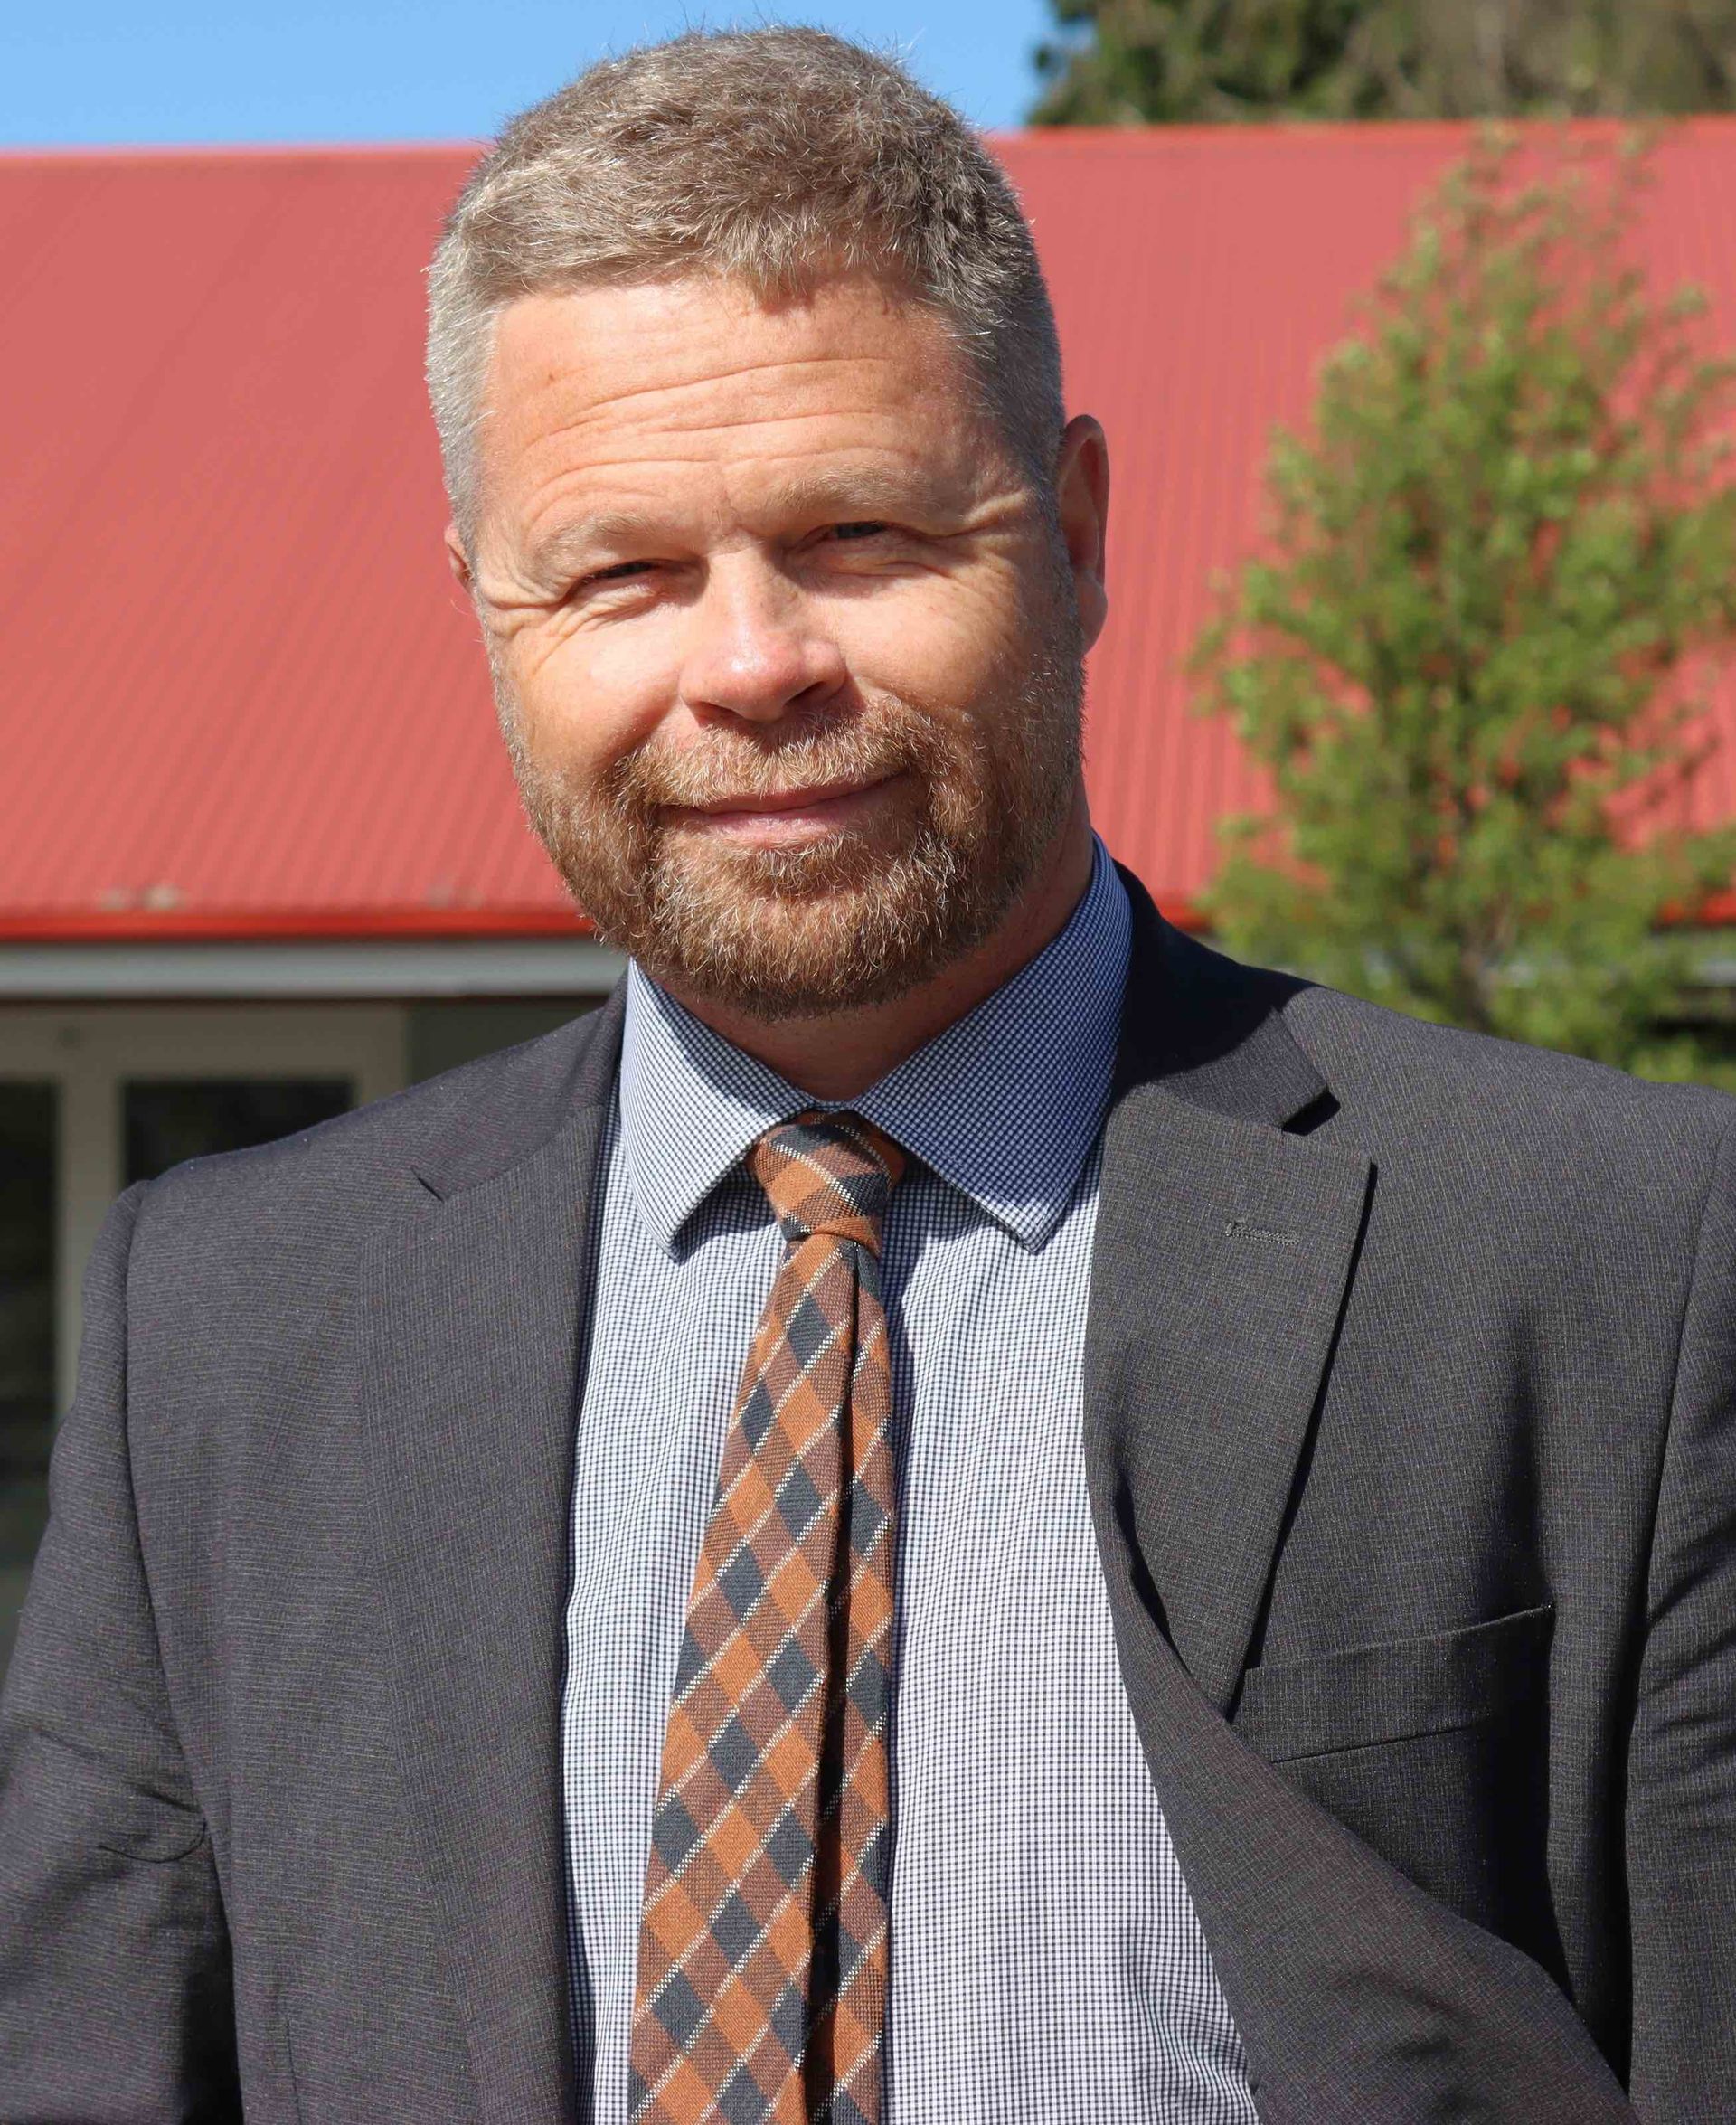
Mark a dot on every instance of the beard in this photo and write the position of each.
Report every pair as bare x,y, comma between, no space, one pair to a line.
865,914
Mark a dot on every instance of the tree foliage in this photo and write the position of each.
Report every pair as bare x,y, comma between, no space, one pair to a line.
1472,654
1144,62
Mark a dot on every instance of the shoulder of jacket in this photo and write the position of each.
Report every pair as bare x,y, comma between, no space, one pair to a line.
485,1111
1428,1078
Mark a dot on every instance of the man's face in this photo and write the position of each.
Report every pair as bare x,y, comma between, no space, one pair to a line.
788,650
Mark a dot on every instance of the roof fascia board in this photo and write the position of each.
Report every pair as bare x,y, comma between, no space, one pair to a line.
372,969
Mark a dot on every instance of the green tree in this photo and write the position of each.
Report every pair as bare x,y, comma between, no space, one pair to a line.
1126,63
1473,652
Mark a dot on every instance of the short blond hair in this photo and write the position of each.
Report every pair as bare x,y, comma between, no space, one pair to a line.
773,156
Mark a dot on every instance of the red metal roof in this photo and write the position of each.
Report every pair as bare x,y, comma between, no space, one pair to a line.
241,694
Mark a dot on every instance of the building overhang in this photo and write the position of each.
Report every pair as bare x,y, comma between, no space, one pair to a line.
374,969
380,955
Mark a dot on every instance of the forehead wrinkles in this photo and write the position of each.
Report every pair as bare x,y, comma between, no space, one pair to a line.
635,361
780,461
770,383
784,407
880,468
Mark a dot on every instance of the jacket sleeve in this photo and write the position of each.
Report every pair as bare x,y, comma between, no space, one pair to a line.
1682,1764
115,1995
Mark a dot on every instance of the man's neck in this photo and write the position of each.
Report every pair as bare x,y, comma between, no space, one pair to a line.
840,1055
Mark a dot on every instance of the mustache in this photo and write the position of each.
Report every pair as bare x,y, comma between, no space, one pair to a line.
751,767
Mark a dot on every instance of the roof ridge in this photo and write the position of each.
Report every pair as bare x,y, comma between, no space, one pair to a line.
1408,133
154,155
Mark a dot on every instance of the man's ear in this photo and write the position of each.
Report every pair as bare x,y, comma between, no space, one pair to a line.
1082,500
458,560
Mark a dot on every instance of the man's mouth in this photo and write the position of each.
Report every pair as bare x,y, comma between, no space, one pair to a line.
784,817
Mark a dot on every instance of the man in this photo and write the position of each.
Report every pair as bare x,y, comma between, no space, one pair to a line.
953,1508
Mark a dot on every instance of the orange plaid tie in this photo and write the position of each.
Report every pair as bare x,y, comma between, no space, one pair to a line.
764,1951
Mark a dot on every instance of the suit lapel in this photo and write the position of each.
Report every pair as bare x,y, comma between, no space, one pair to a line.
475,1321
1222,1254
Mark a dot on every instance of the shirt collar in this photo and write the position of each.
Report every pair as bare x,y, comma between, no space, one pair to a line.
1005,1104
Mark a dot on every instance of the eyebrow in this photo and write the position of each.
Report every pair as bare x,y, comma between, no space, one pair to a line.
815,491
557,548
868,493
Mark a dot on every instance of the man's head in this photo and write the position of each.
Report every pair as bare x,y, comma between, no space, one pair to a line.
747,385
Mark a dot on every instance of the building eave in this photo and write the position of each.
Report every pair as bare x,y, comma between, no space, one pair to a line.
335,968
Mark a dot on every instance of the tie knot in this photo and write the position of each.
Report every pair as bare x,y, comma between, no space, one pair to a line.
827,1173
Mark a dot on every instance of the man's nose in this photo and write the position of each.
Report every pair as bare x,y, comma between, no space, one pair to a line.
757,648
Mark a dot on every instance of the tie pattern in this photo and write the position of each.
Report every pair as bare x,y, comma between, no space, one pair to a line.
764,1949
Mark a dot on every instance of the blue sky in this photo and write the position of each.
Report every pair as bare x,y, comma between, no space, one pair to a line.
96,72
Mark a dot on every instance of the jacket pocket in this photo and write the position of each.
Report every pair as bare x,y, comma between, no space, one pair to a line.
1394,1691
1435,1752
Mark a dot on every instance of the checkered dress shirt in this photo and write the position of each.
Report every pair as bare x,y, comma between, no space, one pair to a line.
1047,1965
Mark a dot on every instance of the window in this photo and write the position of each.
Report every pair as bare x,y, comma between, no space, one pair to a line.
167,1120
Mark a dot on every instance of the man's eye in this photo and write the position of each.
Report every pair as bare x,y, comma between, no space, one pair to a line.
619,574
867,528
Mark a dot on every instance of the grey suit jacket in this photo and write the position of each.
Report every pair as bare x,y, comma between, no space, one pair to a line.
1412,1446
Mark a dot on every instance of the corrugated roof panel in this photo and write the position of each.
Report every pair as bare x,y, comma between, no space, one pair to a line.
241,687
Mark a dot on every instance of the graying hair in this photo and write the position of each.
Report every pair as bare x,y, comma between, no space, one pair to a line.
772,155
